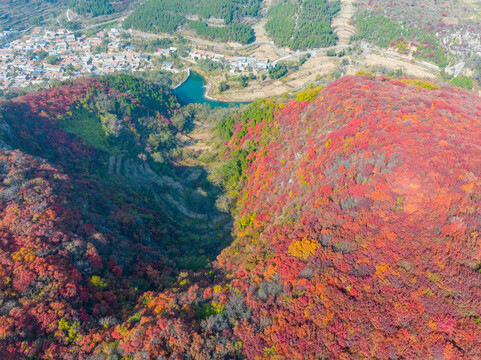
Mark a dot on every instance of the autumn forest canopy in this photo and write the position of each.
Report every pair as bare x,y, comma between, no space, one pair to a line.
341,223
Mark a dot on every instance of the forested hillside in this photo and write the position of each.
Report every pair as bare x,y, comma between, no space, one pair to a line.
384,32
92,7
92,213
436,31
116,115
355,234
303,24
166,16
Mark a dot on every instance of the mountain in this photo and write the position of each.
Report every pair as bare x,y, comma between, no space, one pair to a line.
355,233
357,230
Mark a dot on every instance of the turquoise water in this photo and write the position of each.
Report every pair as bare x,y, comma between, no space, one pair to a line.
192,91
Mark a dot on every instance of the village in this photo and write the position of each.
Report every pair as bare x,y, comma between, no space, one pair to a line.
235,63
46,55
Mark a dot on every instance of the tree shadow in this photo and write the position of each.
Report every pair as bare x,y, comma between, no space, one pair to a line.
174,204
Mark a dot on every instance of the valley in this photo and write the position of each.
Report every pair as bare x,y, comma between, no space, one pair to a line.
248,180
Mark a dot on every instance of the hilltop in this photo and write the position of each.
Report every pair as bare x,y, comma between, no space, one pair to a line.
355,228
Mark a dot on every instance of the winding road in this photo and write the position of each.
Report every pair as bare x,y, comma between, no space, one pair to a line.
241,47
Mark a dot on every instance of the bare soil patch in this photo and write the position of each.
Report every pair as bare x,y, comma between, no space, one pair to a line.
341,23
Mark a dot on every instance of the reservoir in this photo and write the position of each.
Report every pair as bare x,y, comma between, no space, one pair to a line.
192,91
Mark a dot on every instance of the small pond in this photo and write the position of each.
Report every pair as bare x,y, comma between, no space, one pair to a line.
193,90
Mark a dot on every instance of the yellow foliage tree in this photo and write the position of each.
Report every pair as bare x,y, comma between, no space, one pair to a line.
308,95
304,248
25,254
424,84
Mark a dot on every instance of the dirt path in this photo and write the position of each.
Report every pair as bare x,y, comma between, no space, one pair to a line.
259,26
341,23
260,31
391,63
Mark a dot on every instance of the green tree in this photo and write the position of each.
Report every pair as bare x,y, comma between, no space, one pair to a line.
302,24
223,86
93,7
463,81
278,71
51,60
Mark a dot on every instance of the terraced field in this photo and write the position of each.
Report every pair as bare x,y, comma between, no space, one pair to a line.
20,14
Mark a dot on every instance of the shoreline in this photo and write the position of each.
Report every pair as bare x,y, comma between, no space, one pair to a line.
207,86
183,81
207,96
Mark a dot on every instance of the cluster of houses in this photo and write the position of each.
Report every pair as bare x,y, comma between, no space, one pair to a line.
235,63
44,55
20,64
